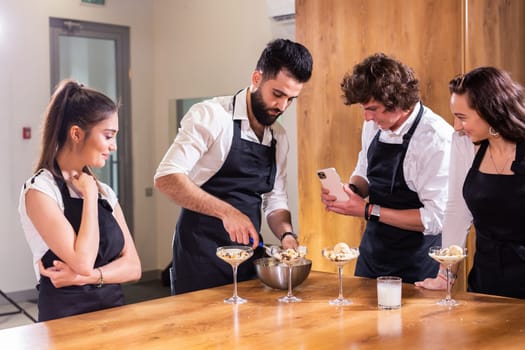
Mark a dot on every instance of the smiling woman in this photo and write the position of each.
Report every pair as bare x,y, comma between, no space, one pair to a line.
81,244
487,182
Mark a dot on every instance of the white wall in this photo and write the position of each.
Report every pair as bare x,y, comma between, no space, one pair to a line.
202,48
179,49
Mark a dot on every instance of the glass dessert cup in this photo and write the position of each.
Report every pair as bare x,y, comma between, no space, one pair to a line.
289,257
234,255
442,256
340,259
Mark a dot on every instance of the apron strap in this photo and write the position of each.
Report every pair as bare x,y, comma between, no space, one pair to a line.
479,155
271,178
518,165
406,140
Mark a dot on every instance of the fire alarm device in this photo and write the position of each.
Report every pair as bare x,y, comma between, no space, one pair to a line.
26,132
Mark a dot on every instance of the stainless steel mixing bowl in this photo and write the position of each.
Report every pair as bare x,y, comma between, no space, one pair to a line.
275,275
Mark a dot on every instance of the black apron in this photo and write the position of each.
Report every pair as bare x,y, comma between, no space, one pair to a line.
248,172
496,203
61,302
386,250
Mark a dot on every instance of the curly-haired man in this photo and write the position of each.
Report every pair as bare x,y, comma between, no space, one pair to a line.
402,168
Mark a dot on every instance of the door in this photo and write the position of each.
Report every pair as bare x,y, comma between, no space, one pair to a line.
97,55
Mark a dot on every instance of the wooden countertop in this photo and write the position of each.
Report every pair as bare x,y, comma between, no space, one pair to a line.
201,320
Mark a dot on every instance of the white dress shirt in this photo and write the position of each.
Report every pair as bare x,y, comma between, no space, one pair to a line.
426,162
204,140
458,218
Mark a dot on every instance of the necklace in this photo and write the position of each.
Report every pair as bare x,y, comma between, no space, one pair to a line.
494,163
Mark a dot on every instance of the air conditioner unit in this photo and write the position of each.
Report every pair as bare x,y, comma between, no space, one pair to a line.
281,10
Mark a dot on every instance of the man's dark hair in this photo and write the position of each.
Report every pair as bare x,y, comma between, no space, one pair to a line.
383,79
284,54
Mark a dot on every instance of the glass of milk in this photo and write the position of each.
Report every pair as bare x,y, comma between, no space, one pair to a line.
388,292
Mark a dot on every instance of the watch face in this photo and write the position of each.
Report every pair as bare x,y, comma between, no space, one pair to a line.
376,209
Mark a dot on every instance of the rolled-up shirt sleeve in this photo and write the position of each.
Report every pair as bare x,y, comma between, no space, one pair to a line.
195,144
430,182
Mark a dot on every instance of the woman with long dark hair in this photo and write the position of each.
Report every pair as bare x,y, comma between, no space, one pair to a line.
487,180
81,244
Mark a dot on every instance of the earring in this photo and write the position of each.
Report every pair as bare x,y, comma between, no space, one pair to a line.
493,132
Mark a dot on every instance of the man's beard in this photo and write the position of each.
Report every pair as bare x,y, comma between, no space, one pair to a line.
260,111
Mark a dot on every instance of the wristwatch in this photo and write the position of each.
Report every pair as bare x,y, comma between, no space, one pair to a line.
288,234
375,213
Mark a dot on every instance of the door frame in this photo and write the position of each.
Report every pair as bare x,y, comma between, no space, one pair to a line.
120,35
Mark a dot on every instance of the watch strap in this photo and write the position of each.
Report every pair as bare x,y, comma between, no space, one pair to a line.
289,233
375,213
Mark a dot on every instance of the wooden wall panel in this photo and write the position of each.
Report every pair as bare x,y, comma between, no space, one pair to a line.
496,36
425,35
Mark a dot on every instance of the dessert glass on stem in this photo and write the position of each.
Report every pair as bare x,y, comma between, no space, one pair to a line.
290,257
445,257
234,255
340,259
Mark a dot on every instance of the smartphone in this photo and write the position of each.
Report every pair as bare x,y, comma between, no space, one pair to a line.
331,180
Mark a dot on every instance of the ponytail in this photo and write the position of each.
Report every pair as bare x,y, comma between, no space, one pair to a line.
71,104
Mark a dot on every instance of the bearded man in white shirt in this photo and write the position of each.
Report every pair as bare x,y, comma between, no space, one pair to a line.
402,168
227,162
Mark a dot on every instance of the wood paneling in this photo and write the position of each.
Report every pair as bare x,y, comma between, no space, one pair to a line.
496,36
340,33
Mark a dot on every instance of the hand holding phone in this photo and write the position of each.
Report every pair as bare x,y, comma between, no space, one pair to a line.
331,180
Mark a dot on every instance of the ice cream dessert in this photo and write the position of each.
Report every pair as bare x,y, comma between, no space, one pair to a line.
234,255
450,255
341,252
290,255
455,250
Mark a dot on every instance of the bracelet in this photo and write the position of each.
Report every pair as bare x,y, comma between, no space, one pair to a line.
101,278
367,216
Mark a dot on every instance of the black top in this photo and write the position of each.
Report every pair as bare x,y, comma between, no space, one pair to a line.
496,203
66,301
